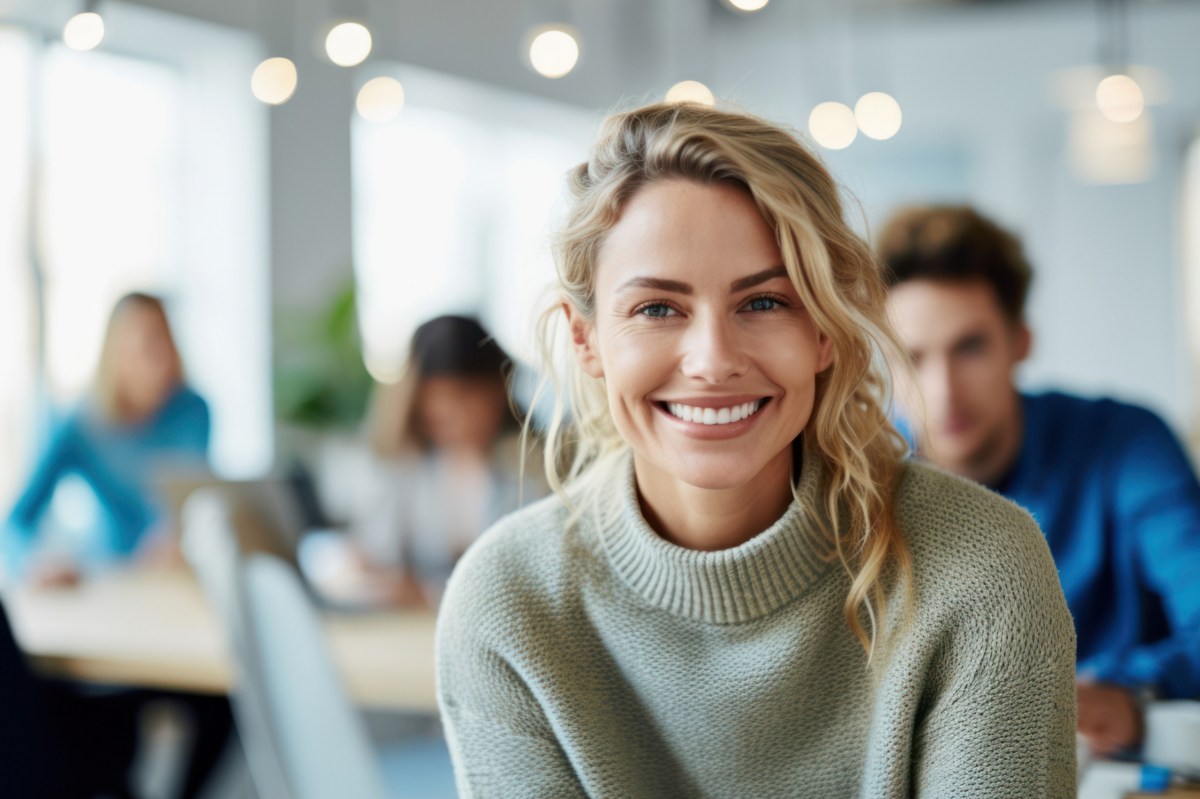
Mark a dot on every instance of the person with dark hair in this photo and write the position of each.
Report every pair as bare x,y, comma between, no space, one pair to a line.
1108,482
446,460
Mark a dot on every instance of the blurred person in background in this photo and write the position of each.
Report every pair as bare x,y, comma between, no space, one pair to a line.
445,457
1108,482
139,419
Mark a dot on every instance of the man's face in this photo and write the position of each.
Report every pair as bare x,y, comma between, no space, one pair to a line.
964,350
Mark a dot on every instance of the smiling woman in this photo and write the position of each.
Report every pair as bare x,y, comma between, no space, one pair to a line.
741,587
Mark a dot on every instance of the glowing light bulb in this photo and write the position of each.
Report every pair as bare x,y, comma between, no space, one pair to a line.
748,6
878,115
1120,99
348,44
553,52
83,31
380,99
690,91
274,81
833,125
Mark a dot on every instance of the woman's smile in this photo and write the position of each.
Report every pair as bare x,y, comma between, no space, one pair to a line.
714,418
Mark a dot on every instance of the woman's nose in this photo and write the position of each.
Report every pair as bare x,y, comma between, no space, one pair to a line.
713,350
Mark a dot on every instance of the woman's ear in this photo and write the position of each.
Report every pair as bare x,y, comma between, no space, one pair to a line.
824,352
583,340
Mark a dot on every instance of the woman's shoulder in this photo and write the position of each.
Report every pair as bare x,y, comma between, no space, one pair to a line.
184,406
986,589
187,400
966,539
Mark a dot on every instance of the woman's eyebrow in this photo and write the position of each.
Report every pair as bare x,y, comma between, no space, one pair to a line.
743,283
659,283
679,287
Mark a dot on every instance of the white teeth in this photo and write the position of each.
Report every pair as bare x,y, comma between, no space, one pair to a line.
711,416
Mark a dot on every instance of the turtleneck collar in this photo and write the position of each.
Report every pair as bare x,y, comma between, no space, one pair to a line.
728,586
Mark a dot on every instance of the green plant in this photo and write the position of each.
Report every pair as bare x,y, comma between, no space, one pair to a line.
320,380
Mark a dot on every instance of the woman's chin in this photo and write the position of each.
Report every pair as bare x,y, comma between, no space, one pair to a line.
713,472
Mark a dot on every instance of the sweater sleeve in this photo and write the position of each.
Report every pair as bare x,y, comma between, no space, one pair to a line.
501,742
999,716
1157,508
60,456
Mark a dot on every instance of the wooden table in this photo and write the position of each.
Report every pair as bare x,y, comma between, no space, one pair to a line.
155,630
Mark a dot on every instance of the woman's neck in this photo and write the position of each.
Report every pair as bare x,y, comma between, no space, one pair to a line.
713,519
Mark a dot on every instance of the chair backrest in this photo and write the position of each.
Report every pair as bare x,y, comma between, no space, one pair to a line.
303,737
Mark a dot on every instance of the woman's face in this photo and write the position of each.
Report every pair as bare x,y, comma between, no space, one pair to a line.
461,413
145,361
708,357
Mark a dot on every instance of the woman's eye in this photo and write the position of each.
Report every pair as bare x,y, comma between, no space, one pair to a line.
656,310
762,304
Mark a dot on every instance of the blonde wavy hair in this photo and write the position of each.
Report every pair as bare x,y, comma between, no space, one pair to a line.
838,279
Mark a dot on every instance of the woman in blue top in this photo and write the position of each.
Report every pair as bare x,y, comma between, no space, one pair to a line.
139,419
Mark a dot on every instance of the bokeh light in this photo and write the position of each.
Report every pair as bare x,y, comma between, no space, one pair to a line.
833,125
690,91
380,99
878,115
1120,99
274,81
348,44
83,31
553,52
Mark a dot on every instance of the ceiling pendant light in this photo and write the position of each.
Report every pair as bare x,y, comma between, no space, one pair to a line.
380,99
274,81
553,50
348,43
832,125
878,115
747,6
85,30
690,91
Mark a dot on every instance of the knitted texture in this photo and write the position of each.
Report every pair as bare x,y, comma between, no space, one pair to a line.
601,660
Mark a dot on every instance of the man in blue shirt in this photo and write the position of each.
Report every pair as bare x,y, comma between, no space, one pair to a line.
1109,484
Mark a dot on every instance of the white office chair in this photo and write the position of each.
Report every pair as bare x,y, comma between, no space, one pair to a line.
302,736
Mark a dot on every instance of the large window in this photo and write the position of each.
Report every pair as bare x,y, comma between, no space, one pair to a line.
137,166
109,198
454,203
18,353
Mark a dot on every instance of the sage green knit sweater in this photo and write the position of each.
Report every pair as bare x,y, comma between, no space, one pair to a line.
603,661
